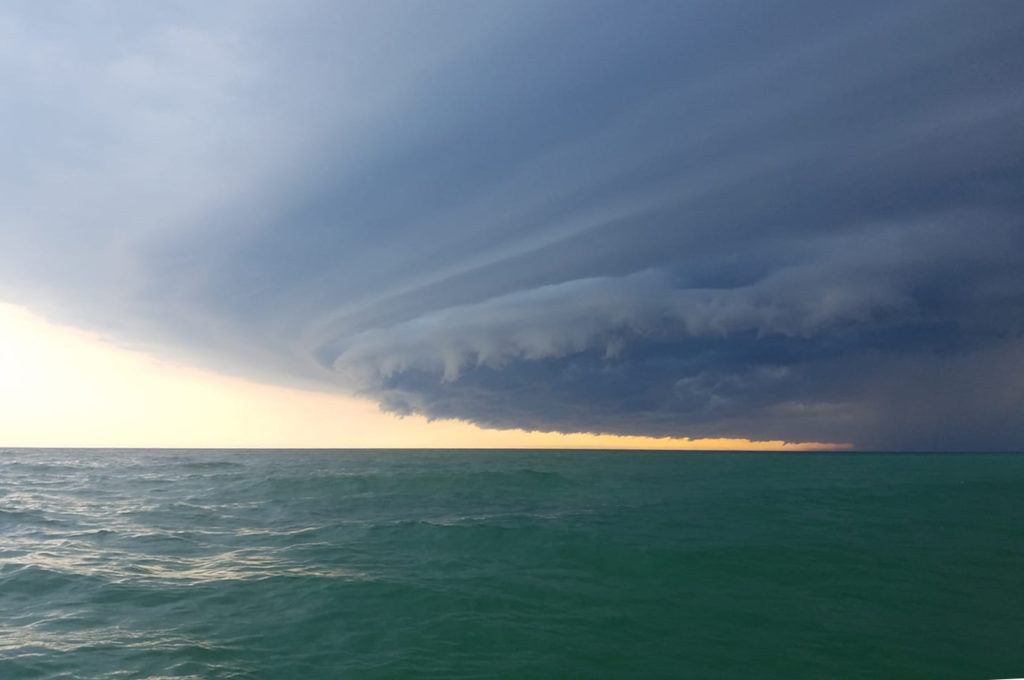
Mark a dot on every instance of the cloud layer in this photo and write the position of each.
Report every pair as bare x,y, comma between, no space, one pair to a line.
699,219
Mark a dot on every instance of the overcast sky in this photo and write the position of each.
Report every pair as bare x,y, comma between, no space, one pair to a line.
771,220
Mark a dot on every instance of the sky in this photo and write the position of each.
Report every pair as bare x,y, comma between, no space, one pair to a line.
512,223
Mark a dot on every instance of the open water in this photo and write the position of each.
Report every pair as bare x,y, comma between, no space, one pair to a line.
154,564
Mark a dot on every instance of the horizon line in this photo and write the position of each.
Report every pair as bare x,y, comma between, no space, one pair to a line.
845,451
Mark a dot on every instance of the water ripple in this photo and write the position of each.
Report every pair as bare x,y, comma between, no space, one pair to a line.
175,565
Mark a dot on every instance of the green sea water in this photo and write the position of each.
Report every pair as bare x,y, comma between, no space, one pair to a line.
502,564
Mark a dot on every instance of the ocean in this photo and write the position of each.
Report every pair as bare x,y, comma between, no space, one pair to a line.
162,564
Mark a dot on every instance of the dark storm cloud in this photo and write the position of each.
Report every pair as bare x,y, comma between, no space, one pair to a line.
794,220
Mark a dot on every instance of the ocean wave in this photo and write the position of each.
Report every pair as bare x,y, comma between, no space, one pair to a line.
474,564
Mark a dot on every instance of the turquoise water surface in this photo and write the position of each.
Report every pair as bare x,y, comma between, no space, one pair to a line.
502,564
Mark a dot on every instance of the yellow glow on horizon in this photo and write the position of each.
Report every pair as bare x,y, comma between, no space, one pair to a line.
63,387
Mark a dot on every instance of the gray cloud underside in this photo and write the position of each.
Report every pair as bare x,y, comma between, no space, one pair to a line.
783,220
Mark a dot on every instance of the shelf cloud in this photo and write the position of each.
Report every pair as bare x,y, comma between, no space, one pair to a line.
774,221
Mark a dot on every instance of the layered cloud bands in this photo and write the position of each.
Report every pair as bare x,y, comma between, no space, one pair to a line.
774,221
870,339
